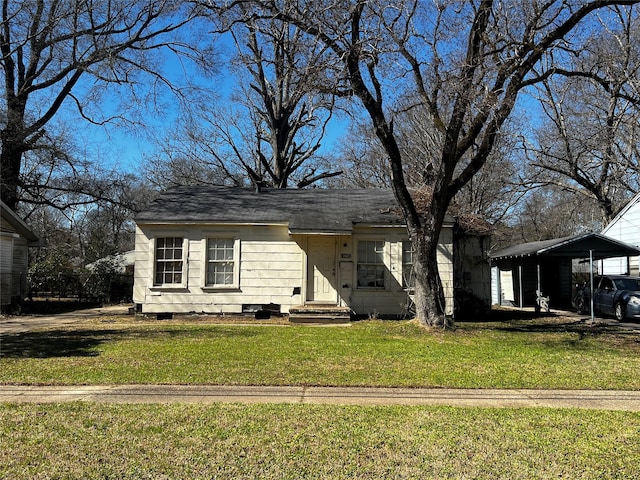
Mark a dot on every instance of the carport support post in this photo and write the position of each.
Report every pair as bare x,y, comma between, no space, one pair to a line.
520,286
538,304
591,287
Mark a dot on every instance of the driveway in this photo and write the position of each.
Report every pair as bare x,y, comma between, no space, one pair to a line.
23,323
572,316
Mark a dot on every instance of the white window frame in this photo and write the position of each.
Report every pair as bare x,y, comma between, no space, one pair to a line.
408,279
235,285
183,280
385,252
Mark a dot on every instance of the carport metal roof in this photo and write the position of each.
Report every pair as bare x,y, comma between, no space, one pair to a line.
587,245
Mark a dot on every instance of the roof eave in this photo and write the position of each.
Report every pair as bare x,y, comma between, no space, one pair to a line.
19,224
621,213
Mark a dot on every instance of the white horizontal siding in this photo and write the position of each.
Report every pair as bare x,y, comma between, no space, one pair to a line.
13,266
392,299
625,228
6,267
271,267
6,254
142,272
270,256
20,267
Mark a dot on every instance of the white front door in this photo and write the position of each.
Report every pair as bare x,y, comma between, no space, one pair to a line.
321,269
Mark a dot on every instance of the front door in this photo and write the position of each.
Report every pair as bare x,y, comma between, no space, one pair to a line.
321,269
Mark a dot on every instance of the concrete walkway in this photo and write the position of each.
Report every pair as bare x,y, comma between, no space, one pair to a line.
24,323
588,399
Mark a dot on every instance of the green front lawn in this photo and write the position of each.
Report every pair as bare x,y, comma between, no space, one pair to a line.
105,441
531,354
96,441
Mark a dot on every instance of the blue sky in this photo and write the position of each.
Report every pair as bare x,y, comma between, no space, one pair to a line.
125,147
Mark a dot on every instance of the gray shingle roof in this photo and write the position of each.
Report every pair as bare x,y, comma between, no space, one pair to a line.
312,210
577,246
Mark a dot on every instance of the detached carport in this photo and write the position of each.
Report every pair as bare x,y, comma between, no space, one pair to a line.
546,266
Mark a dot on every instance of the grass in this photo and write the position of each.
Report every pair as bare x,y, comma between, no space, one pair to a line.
91,441
105,441
516,354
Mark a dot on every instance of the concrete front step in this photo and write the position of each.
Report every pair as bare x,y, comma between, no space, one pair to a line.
318,313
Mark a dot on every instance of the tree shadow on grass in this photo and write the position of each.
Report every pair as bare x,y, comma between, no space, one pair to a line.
509,315
612,334
55,343
74,342
531,322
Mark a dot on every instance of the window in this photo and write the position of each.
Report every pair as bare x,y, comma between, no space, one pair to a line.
371,268
627,284
168,267
606,284
221,262
408,279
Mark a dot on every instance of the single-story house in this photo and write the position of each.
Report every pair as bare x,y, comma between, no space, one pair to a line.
15,238
625,227
234,250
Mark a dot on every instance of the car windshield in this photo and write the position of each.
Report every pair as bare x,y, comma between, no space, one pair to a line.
628,283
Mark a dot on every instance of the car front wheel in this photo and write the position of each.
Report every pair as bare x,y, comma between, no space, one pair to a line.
619,311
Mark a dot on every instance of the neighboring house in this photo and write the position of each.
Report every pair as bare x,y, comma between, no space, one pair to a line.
111,278
120,262
15,238
234,250
625,227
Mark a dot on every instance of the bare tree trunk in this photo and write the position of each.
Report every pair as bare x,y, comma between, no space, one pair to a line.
13,138
429,295
10,160
423,227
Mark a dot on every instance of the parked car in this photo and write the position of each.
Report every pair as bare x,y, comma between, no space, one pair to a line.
617,295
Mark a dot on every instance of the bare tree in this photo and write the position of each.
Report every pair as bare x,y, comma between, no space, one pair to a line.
271,131
492,193
49,47
362,159
108,227
590,140
548,212
467,62
61,175
196,150
275,128
289,114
